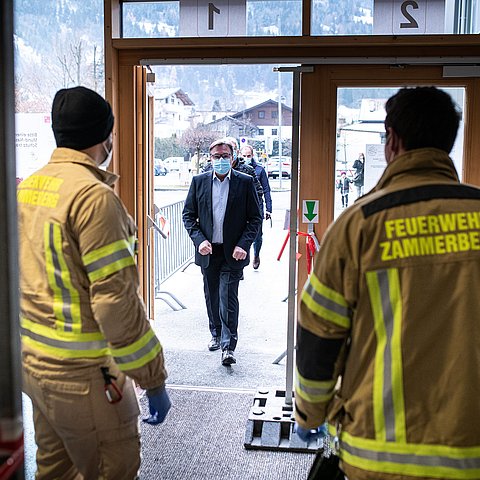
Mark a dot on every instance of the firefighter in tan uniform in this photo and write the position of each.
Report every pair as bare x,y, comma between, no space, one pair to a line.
85,334
388,343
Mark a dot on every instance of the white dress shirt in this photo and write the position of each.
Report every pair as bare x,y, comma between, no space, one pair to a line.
219,204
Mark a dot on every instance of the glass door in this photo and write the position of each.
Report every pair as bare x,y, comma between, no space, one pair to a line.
342,115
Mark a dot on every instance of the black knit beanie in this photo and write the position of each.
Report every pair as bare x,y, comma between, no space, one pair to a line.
81,118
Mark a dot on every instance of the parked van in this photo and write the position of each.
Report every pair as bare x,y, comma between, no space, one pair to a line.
273,167
173,163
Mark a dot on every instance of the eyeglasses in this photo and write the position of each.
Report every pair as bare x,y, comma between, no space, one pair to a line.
225,156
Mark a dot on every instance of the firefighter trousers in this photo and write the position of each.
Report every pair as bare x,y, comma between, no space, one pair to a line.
79,434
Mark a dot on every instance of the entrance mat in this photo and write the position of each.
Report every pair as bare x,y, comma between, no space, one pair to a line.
203,438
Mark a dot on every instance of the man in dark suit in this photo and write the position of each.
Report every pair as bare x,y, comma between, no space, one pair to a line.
222,216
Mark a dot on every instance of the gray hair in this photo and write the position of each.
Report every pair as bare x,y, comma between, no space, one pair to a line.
221,141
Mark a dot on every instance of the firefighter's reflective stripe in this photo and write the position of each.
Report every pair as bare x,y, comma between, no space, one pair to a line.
66,299
417,460
63,344
109,259
388,395
138,353
325,302
313,391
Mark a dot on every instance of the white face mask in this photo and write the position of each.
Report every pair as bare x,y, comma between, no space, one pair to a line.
104,165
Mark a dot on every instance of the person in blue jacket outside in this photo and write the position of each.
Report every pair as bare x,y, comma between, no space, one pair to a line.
246,153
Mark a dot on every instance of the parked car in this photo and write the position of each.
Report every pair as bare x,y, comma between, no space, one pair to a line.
273,168
173,163
159,168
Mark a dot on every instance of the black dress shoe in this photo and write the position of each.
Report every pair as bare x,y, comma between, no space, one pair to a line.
256,262
214,344
228,358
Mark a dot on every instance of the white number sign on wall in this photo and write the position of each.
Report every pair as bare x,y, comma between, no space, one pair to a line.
408,17
213,18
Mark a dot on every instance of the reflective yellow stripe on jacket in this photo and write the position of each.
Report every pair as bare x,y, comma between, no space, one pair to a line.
63,344
417,460
109,259
138,353
313,391
388,396
325,302
66,299
90,345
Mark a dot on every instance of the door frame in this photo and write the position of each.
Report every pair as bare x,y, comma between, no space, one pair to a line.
384,60
142,174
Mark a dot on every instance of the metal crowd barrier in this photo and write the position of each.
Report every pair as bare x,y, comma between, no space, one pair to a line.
173,249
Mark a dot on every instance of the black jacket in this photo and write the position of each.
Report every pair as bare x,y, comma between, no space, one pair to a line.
358,165
242,216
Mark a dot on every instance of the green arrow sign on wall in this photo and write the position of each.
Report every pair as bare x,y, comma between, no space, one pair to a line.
310,211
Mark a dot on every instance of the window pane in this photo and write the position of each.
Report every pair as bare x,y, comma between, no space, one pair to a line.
151,19
57,45
222,18
334,17
361,133
218,18
274,18
359,17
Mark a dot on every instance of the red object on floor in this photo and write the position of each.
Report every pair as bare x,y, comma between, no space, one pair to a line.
15,459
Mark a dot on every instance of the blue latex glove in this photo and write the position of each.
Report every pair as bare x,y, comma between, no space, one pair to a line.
310,434
158,405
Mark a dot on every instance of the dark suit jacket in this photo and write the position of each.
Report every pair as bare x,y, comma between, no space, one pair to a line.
242,216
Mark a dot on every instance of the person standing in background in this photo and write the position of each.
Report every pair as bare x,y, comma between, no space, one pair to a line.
246,153
343,184
358,176
84,327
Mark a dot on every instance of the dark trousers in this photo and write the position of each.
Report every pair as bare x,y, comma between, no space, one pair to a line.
220,284
257,244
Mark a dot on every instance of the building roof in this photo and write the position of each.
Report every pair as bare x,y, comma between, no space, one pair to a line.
259,106
161,93
367,127
227,118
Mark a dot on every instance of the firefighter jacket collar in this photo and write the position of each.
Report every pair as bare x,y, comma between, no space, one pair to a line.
436,164
68,155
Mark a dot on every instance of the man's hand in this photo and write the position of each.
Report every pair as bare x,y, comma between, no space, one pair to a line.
239,253
310,434
268,215
158,404
205,248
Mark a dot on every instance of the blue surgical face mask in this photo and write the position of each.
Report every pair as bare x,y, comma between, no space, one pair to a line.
221,166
